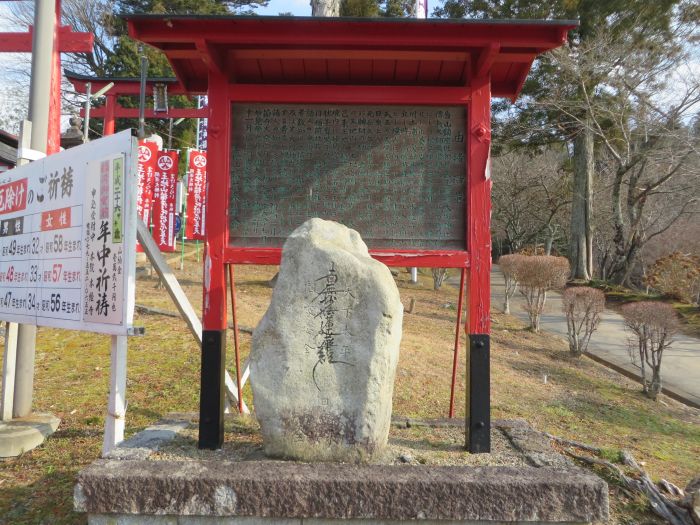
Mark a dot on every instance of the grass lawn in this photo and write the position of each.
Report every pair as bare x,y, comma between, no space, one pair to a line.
580,400
617,296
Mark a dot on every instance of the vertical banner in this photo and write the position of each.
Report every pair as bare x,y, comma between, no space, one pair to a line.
196,194
147,156
103,298
421,8
164,196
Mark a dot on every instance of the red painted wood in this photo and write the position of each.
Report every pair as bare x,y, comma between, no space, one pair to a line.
343,94
248,70
317,69
219,138
69,41
429,72
479,217
120,112
338,71
375,34
451,72
411,44
418,258
53,139
122,86
406,72
360,71
109,114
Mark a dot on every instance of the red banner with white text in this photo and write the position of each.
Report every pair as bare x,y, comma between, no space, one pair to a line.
147,157
196,194
164,195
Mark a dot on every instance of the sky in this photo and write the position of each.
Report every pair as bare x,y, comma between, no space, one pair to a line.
296,7
12,62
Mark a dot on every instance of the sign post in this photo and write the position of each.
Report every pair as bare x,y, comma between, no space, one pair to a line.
67,225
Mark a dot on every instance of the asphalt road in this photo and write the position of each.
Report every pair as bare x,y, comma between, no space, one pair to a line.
680,368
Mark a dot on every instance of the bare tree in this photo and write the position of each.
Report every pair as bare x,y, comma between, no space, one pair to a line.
582,307
677,275
652,326
325,7
650,153
530,198
439,276
509,267
89,16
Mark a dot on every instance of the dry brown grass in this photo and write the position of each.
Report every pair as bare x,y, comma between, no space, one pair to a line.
581,399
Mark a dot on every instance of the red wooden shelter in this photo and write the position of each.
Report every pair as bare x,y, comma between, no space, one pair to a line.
345,62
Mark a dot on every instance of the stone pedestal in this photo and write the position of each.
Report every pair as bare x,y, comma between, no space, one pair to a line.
129,487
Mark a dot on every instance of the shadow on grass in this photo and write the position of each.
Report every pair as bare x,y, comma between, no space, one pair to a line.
49,500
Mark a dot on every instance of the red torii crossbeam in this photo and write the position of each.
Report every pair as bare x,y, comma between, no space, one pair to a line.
65,41
129,86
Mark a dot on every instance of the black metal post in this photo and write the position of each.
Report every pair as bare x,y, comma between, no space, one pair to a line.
479,416
211,397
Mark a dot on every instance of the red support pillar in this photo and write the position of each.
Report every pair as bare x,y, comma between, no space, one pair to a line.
478,423
108,122
53,140
211,403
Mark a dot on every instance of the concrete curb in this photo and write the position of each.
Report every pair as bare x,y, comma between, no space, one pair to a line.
631,375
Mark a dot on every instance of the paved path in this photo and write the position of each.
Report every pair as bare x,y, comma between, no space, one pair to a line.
680,368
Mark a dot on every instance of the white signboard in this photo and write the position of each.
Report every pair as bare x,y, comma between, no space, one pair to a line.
67,228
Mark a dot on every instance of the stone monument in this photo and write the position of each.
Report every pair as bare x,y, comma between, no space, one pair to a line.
324,355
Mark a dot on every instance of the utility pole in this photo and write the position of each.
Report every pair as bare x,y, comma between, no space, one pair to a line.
39,100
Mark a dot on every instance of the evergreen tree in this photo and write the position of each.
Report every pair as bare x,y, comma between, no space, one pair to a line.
376,8
125,59
646,28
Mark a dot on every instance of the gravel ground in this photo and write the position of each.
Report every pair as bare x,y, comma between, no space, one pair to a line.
427,445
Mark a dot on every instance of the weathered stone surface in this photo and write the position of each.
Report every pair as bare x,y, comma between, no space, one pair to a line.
336,491
324,355
143,444
125,519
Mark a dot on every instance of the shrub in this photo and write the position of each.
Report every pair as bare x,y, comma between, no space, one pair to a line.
439,276
676,275
652,326
582,307
509,267
537,275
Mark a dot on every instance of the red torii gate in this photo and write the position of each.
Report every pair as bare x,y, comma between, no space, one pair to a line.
130,86
65,40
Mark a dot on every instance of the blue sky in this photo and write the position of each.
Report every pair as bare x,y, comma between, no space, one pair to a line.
296,7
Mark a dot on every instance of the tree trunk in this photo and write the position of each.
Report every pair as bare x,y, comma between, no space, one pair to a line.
325,7
655,385
581,243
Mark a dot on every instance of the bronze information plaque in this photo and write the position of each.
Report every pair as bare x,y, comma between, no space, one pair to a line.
396,174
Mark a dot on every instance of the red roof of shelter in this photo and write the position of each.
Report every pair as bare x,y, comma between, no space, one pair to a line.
302,50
